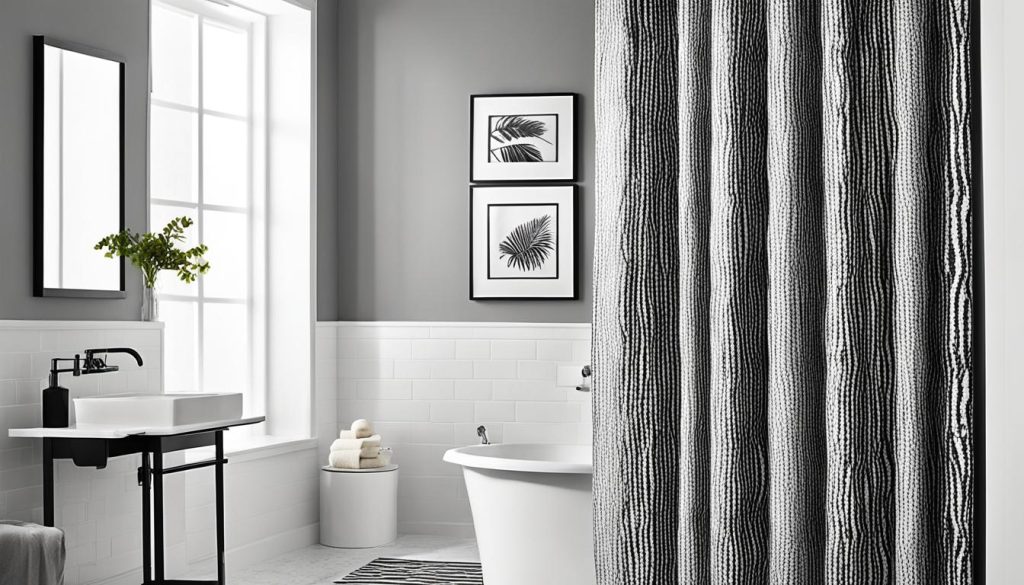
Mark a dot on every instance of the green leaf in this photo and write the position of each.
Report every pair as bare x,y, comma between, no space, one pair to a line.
152,252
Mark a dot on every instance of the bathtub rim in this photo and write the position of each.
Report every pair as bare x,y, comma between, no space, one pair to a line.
470,456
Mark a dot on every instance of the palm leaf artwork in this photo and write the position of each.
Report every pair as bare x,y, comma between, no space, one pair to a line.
521,152
529,245
509,128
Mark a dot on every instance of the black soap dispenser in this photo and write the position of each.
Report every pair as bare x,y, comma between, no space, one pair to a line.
55,397
55,407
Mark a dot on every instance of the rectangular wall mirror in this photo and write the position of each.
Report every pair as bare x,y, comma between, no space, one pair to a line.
79,169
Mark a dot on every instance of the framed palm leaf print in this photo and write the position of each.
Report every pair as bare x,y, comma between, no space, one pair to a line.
522,242
523,137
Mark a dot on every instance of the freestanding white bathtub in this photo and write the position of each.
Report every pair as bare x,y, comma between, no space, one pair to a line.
531,511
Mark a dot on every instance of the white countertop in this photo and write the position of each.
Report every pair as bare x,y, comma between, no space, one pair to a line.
98,432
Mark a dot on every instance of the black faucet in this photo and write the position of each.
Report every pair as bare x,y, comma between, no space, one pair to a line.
55,398
91,364
95,365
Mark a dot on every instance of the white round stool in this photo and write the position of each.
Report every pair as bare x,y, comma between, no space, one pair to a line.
358,507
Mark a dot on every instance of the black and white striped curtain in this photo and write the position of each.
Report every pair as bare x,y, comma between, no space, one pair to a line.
783,315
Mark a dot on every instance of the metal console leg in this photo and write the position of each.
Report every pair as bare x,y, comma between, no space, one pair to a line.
158,513
145,480
219,470
48,482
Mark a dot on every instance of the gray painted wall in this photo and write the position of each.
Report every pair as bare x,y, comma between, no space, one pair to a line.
122,26
119,26
406,69
394,81
327,161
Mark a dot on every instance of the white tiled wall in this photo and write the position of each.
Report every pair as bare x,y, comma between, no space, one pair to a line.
100,510
271,506
326,385
427,386
271,502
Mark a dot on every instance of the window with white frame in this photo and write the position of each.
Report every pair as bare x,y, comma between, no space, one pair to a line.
207,116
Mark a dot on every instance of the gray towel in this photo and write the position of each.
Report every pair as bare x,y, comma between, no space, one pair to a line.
32,554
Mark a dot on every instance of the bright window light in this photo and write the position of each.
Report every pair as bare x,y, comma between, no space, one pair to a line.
205,122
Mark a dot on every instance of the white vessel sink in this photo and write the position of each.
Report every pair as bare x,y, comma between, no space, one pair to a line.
156,410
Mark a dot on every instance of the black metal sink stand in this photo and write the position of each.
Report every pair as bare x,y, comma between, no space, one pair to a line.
90,452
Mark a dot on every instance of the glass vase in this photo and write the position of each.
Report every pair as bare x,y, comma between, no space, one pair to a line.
150,305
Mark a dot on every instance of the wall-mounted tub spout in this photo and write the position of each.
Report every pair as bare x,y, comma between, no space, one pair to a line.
586,373
481,431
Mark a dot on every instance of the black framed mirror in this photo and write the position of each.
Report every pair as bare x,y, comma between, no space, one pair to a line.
78,169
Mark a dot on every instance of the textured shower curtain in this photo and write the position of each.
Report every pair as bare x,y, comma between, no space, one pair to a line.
783,315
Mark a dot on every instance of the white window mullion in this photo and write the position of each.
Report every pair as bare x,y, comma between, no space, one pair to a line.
195,205
185,205
200,305
194,109
260,400
210,300
258,155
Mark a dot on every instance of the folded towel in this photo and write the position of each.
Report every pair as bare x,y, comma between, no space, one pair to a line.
352,460
355,444
344,459
361,428
371,463
348,434
365,452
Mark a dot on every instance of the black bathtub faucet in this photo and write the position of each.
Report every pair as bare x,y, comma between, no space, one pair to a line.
55,398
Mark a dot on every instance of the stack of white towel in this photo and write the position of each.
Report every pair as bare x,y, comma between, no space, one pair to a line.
358,448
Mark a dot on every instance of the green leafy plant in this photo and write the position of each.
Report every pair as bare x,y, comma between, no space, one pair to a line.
152,252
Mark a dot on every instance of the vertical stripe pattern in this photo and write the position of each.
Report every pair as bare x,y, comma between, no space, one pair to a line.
917,217
694,290
738,302
858,137
796,309
637,354
957,390
783,389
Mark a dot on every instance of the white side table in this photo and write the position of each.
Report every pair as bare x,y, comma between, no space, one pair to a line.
358,507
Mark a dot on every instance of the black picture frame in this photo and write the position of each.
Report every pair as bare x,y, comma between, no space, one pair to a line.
573,131
574,218
558,234
39,43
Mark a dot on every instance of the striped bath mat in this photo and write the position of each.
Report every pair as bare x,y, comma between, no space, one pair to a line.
385,571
